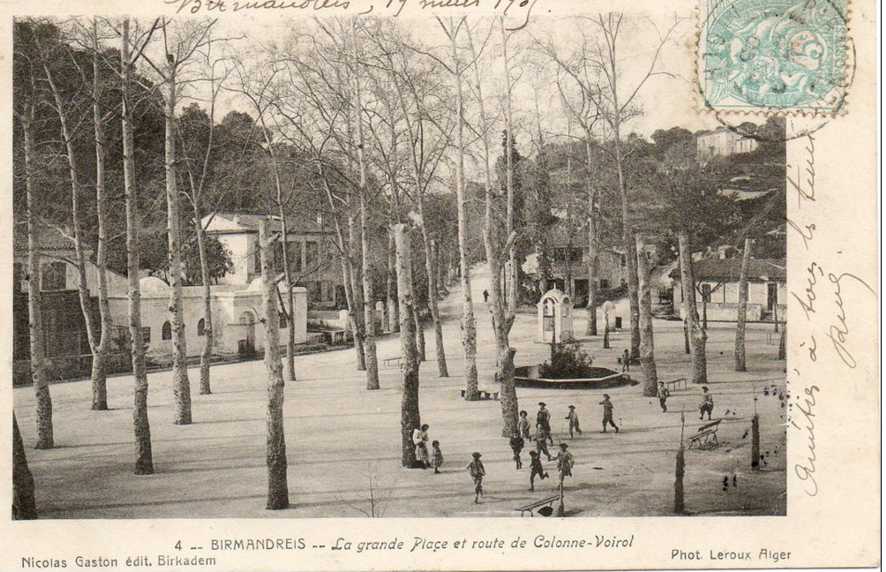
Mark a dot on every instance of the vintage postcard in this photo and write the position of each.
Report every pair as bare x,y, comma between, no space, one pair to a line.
440,285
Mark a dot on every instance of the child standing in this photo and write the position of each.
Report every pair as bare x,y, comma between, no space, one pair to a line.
626,361
436,456
536,469
573,422
420,439
477,471
607,413
707,403
517,446
541,441
523,425
565,462
663,395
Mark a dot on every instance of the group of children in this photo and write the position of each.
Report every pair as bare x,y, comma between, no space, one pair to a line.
565,459
565,462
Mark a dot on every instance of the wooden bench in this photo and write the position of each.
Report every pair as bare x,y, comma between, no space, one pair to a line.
392,361
533,506
483,394
674,383
706,437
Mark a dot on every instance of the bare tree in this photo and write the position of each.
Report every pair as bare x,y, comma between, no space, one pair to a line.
616,107
497,253
258,89
468,323
583,109
26,100
512,269
368,294
197,165
67,108
313,102
144,463
180,44
278,487
416,98
100,350
410,417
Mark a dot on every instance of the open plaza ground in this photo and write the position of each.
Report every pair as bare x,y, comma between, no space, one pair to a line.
343,442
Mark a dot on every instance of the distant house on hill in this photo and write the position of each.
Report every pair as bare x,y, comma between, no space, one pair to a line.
722,142
717,288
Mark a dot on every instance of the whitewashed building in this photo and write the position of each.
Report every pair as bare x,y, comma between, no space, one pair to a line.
236,307
717,289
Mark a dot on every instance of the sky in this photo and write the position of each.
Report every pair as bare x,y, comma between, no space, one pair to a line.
666,100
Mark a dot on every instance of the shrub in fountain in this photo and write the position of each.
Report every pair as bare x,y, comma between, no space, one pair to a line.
567,361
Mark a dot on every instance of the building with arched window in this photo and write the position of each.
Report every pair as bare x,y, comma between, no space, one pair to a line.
236,309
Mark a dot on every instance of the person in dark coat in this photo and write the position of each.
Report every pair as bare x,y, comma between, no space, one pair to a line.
517,446
543,418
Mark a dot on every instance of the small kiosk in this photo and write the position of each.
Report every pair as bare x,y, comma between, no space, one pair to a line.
554,317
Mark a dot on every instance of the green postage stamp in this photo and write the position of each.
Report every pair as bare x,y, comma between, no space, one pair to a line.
775,56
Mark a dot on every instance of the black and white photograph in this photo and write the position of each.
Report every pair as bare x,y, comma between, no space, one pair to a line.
358,267
603,272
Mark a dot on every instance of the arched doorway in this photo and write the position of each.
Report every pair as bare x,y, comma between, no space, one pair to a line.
246,345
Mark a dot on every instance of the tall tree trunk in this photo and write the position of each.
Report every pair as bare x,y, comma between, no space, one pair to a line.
100,352
356,282
433,265
512,269
290,331
419,333
592,245
468,323
697,335
372,381
278,487
392,311
647,345
181,386
35,315
349,298
410,417
289,312
98,385
206,354
742,308
628,241
144,463
24,507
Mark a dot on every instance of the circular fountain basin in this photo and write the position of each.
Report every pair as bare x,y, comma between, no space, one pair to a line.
598,378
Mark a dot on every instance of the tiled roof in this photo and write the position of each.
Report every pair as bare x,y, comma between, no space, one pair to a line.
729,269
